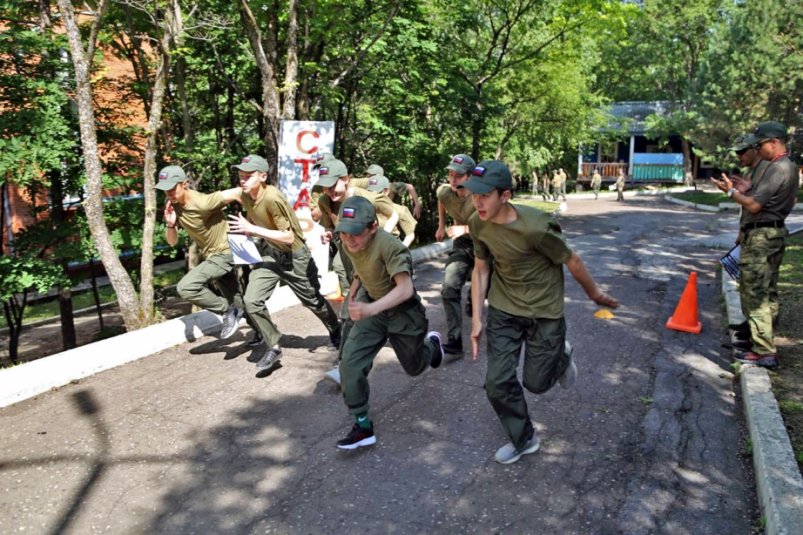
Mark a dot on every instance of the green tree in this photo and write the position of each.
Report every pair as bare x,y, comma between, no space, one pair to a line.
752,72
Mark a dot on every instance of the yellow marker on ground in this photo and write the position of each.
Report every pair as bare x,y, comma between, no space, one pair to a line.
604,314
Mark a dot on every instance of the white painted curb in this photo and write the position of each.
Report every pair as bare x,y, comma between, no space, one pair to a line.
778,480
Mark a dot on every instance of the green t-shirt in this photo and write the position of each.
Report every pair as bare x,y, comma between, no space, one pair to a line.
407,222
460,208
396,189
754,175
528,257
384,257
270,210
203,218
329,209
775,192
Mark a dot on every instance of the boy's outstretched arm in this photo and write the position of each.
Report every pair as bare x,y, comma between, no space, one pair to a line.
479,287
578,269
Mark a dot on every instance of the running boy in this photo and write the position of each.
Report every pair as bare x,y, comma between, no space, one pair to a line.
285,257
457,204
525,301
383,304
201,216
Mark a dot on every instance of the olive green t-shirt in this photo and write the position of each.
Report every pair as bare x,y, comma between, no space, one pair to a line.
775,192
460,208
203,218
329,209
396,189
384,257
528,256
754,175
407,222
270,210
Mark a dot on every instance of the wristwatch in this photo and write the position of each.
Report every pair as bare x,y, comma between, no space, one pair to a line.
731,192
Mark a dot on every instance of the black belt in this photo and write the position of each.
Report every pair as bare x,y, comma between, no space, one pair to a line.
778,223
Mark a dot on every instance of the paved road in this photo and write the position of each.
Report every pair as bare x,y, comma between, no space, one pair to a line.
650,440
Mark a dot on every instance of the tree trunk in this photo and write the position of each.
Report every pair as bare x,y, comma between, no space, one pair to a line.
14,311
687,166
270,92
169,25
68,340
93,204
291,62
476,124
94,278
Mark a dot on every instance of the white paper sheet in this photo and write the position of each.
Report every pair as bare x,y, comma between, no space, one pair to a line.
244,249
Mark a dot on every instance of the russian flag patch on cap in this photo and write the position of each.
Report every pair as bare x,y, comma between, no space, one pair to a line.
478,171
246,159
162,175
373,182
457,159
349,213
323,171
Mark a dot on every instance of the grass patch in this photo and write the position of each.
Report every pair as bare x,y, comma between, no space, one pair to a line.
545,206
787,382
49,309
702,197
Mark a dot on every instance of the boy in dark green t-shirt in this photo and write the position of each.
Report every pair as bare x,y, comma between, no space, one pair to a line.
383,304
525,301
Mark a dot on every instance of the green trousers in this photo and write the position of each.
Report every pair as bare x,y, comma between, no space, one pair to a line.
195,285
299,272
544,362
458,269
405,326
759,263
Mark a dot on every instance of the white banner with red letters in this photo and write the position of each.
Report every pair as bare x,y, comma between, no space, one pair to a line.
299,143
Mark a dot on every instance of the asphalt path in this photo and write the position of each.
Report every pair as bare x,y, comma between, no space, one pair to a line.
650,439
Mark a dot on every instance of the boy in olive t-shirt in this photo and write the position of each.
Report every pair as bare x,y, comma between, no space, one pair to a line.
201,216
525,301
455,203
285,257
382,304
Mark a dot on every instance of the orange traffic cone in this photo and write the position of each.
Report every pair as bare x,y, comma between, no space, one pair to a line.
686,317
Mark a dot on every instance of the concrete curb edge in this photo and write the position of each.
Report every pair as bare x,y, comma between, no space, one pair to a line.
778,479
32,378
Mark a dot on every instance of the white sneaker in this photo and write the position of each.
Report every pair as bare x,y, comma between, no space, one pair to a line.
570,375
333,375
508,453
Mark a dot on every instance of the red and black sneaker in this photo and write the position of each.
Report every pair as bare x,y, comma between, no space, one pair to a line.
769,360
357,438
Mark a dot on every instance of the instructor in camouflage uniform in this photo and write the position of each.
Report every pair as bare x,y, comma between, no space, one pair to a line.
768,203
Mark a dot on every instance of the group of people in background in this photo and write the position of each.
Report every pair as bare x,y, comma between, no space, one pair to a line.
513,254
553,189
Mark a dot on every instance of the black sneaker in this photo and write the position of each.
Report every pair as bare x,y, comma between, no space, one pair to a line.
357,438
255,340
335,336
270,358
437,358
454,346
231,322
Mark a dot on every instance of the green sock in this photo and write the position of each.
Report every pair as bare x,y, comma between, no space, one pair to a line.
363,421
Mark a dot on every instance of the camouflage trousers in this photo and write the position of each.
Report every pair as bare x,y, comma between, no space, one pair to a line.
759,264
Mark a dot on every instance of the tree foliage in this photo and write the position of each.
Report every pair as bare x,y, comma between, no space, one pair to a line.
408,83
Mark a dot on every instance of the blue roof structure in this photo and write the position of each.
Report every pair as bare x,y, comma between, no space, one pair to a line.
630,115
